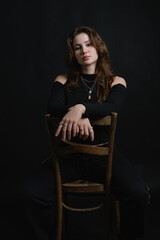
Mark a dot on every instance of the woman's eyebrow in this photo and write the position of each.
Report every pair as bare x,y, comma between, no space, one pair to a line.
80,44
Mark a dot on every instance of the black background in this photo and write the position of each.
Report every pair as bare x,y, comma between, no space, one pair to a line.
33,41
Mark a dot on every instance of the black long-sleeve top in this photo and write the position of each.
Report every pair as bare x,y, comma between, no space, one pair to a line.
60,100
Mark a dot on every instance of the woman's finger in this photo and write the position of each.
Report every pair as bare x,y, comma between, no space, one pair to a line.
91,133
86,133
81,133
59,128
69,130
77,131
64,129
74,129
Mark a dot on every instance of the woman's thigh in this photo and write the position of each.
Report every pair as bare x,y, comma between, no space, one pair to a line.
41,183
125,182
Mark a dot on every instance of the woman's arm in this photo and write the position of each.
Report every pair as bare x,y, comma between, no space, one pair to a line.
57,105
113,103
71,115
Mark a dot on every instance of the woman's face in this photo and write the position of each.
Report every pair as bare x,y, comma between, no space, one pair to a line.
85,53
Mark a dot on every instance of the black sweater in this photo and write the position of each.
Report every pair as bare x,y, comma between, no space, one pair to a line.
60,100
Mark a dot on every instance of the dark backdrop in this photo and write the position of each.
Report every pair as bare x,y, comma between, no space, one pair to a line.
33,38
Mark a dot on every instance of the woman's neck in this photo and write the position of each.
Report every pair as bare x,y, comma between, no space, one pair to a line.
89,77
88,70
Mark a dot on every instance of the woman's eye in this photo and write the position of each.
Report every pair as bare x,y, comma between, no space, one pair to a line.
89,44
77,48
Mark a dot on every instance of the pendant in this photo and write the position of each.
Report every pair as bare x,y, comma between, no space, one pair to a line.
89,96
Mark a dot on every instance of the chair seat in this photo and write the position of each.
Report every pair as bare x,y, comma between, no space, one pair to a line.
82,186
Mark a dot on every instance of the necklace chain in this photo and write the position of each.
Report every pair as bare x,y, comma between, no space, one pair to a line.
87,87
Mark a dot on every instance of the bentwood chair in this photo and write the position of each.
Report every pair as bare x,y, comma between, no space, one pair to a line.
82,186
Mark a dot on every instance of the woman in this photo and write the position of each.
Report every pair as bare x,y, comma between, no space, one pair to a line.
89,90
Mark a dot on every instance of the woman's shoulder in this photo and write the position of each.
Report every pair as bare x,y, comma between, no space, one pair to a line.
62,78
119,80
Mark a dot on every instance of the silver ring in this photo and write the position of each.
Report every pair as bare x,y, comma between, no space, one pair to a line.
90,128
61,123
65,125
81,129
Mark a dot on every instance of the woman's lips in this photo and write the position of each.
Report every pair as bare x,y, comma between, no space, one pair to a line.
86,57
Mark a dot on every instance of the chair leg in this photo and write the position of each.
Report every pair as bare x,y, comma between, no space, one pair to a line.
59,221
65,220
59,212
109,219
59,198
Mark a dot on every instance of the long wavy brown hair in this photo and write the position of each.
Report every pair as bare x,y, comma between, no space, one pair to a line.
104,75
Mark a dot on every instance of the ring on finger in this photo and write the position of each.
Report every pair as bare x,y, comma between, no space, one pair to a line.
90,128
61,123
81,129
65,125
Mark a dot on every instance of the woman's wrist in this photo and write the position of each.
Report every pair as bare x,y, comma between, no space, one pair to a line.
78,108
82,108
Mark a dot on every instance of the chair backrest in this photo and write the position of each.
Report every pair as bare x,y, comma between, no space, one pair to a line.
72,147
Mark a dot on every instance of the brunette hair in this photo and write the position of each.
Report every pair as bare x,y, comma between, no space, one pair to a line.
104,75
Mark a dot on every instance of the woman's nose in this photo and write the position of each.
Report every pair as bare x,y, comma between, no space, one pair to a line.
84,49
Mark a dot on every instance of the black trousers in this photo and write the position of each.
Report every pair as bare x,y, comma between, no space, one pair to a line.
126,185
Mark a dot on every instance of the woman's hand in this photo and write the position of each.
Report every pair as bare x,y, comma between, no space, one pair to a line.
84,129
69,122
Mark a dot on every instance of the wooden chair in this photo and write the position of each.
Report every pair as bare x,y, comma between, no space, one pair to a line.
80,185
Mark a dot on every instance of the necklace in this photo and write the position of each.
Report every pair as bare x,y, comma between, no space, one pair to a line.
88,88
